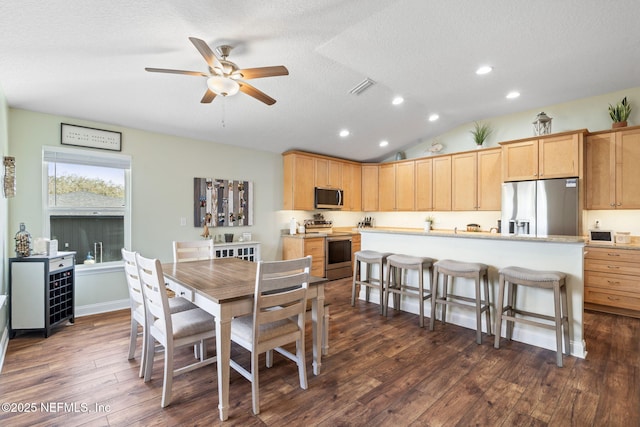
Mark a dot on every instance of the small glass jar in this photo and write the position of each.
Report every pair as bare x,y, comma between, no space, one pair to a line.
23,242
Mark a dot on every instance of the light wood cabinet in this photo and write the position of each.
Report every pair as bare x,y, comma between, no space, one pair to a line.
299,182
424,184
370,188
328,173
442,183
396,186
612,172
555,156
298,247
352,186
612,280
356,245
476,180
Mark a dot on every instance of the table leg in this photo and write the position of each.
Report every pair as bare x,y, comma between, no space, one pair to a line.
317,315
223,353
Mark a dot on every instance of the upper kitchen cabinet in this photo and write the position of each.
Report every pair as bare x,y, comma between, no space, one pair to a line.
396,186
442,183
352,185
476,180
612,172
424,184
554,156
370,186
328,173
299,181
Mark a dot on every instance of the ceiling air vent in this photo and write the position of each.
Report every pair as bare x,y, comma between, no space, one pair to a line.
362,86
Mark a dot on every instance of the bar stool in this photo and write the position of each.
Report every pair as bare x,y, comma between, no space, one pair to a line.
397,265
553,280
470,270
369,258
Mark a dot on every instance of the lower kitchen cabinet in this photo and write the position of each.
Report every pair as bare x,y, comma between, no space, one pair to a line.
298,247
612,280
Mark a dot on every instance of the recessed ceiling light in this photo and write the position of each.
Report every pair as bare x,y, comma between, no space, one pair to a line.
397,100
513,95
384,143
485,69
433,117
344,133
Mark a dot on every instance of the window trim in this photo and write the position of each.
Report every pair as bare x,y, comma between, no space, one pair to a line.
80,156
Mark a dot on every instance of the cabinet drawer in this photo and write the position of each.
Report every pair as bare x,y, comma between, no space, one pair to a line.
60,264
180,291
611,298
623,255
617,282
314,247
612,267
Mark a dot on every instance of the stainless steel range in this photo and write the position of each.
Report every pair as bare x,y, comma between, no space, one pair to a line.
337,247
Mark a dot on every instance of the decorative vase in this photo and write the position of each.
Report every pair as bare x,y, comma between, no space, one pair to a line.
427,226
478,146
619,124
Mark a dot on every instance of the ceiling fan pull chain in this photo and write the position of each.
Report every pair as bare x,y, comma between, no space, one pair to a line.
224,111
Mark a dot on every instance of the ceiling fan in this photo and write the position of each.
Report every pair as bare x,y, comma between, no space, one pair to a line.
224,77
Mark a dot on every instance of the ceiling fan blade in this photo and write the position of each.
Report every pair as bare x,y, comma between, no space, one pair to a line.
165,70
255,73
257,94
206,53
208,97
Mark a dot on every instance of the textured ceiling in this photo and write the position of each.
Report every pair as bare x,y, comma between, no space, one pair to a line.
85,59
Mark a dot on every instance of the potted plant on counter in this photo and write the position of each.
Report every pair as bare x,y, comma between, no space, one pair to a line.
620,113
428,223
480,133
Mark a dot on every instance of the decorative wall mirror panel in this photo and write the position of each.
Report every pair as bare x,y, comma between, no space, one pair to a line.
222,202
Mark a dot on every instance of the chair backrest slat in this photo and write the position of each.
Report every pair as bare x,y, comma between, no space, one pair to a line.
154,291
133,281
192,250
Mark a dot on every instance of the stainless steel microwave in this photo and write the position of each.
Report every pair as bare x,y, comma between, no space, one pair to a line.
328,198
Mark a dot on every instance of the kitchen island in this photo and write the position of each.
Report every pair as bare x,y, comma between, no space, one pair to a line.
561,253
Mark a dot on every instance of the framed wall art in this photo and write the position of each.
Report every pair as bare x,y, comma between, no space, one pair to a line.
81,136
222,202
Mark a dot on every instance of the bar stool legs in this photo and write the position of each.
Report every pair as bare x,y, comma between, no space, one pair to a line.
510,277
396,283
370,258
476,271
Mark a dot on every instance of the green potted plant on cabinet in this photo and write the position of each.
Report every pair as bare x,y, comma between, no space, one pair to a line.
480,133
620,113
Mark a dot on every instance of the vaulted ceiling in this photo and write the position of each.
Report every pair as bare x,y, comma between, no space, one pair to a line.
86,59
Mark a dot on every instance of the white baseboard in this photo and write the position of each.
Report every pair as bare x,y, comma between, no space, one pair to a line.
87,310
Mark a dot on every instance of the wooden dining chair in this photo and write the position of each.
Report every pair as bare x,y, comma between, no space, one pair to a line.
195,250
136,299
278,319
171,331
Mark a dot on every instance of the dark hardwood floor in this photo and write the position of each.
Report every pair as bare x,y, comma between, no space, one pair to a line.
380,372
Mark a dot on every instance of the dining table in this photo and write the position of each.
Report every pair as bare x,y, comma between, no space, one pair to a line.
224,287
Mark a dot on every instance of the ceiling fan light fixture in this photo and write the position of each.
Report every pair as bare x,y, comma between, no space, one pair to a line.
223,85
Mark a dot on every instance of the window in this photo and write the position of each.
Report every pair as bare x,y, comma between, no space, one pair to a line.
87,202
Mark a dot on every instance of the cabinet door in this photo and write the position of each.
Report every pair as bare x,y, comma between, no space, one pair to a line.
405,186
559,156
600,171
489,180
334,174
352,186
387,187
442,183
628,169
321,173
520,161
464,182
424,184
370,185
298,182
315,248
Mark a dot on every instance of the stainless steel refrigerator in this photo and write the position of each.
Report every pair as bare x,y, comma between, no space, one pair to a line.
540,208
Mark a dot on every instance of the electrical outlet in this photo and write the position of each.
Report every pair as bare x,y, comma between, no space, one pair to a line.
183,221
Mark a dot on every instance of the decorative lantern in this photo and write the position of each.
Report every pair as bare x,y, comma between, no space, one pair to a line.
542,125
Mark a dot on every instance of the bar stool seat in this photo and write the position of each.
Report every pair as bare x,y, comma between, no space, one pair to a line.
398,264
553,280
369,258
451,269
